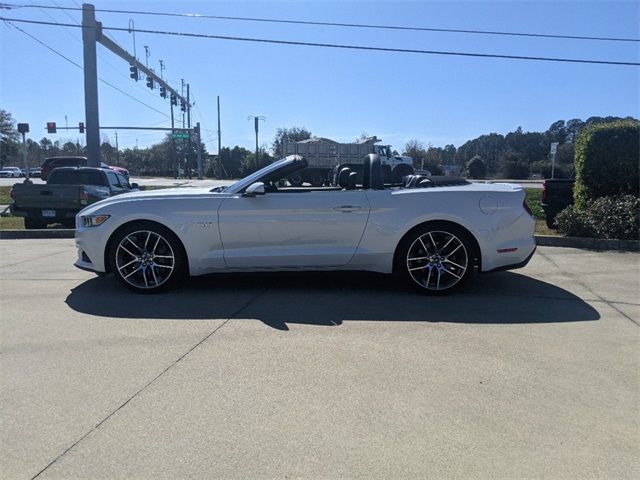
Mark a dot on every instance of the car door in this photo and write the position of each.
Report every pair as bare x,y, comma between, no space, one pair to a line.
292,230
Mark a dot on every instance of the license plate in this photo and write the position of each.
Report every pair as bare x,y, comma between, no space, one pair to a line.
48,213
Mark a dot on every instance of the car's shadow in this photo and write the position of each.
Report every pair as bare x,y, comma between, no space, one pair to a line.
278,299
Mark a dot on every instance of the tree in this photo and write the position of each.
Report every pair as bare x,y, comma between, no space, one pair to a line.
476,168
9,136
293,134
514,166
423,159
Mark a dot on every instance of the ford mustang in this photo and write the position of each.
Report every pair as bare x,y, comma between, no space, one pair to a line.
433,232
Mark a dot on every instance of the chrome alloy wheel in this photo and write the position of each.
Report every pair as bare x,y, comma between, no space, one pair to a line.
437,260
145,259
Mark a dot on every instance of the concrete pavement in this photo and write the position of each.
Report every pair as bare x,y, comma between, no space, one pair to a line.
527,374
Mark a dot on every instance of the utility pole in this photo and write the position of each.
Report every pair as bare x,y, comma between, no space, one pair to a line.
23,128
182,93
188,158
256,121
219,132
117,150
162,67
174,160
199,152
147,53
91,114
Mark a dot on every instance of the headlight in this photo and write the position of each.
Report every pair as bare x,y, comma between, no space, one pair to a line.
93,220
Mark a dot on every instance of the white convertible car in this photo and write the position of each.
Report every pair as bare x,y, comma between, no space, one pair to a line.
432,231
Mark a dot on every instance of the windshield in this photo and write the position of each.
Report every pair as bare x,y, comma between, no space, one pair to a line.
290,164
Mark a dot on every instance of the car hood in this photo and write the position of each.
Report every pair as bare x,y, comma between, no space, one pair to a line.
139,195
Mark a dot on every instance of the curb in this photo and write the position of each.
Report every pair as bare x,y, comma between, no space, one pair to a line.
36,234
587,243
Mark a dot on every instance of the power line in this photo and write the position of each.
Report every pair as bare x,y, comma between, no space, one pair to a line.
352,25
80,67
346,47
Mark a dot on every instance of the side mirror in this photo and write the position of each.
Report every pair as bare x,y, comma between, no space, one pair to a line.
254,189
135,186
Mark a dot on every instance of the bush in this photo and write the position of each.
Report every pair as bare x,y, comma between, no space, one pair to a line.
607,161
515,169
605,217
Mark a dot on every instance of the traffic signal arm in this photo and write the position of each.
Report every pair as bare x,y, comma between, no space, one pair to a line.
122,53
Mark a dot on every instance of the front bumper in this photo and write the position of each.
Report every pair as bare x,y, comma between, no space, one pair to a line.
91,243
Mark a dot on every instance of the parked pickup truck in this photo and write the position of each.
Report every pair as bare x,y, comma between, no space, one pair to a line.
556,196
68,190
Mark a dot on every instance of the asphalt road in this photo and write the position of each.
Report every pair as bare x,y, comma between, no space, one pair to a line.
527,374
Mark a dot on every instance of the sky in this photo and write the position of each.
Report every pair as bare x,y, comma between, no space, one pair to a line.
335,93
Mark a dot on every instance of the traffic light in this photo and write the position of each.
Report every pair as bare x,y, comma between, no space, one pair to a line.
174,100
51,127
134,72
163,92
150,82
183,106
81,127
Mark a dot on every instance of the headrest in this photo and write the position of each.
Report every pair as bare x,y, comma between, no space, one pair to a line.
372,173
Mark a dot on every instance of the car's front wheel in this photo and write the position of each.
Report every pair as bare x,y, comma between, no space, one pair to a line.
437,258
147,257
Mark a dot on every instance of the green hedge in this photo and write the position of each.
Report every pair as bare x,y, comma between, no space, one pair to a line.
607,161
605,217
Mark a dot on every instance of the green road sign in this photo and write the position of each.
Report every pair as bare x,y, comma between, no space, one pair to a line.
180,135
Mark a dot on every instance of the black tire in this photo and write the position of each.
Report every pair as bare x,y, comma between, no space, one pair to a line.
69,223
317,180
400,172
131,265
296,180
438,247
31,223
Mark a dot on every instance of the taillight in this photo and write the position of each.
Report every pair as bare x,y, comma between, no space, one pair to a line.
13,194
544,192
526,207
84,196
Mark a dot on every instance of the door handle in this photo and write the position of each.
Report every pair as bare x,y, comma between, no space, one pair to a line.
347,208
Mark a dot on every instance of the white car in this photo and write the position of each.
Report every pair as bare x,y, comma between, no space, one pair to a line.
434,232
10,172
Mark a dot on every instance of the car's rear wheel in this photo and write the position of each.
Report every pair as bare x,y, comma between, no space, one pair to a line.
147,258
296,180
437,258
317,180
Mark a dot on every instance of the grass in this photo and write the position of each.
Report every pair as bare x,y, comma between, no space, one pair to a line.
11,223
5,198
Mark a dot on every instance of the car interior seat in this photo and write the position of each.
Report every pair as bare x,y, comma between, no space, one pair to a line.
372,178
